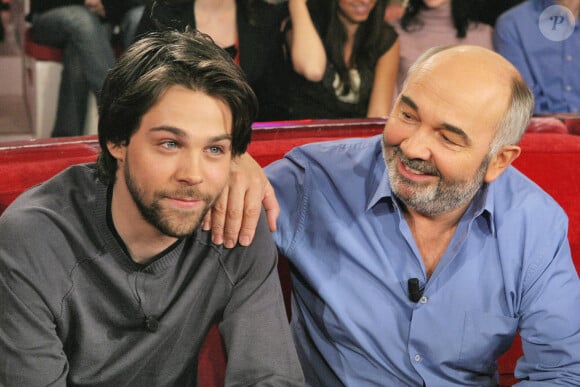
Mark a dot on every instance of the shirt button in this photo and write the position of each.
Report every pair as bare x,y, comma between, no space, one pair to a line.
568,88
423,300
417,357
151,324
569,58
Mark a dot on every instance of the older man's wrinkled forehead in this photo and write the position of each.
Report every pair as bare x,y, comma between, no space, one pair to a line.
472,73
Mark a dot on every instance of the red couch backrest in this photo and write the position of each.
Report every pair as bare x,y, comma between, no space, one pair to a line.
25,164
550,159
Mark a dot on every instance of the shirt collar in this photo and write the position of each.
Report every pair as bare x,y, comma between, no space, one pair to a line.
482,205
380,189
378,184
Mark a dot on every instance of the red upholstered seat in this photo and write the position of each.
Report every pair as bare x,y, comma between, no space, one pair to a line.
546,125
44,52
42,72
549,157
573,124
40,51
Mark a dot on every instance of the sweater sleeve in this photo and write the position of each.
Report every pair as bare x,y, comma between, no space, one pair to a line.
32,353
255,328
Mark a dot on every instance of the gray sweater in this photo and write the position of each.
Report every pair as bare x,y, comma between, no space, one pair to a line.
76,310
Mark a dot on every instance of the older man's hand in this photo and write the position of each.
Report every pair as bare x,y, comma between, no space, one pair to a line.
235,215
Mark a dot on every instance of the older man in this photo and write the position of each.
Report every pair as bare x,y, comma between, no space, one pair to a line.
417,255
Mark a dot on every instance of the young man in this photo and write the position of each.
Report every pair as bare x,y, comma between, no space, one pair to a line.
106,278
417,255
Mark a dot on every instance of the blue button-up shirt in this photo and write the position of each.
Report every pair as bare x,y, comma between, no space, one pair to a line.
508,267
549,65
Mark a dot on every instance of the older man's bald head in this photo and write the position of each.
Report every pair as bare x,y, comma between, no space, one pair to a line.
483,76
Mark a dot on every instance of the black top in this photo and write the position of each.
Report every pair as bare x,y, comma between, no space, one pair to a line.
259,45
114,9
305,99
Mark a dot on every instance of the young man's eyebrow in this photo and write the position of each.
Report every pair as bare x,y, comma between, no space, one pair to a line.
221,137
171,129
183,134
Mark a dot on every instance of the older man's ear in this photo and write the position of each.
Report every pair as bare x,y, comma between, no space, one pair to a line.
500,161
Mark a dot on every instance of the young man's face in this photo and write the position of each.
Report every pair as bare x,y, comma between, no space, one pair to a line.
177,162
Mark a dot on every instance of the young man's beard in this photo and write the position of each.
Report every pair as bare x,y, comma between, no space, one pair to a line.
170,223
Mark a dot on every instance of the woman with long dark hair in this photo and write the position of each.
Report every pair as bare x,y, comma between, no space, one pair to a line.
248,29
429,23
342,58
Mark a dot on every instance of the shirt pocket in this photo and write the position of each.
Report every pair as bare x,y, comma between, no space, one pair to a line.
485,337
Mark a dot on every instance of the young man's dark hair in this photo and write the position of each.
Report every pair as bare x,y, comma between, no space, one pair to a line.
161,60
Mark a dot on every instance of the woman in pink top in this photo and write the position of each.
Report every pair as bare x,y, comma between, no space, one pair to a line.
428,23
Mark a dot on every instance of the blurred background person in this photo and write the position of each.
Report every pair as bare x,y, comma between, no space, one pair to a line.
395,10
342,59
83,30
430,23
248,29
3,7
490,10
130,21
545,51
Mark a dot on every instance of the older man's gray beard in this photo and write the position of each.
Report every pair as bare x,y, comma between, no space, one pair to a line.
434,199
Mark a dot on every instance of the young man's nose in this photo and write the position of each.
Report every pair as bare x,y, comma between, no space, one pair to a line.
190,169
